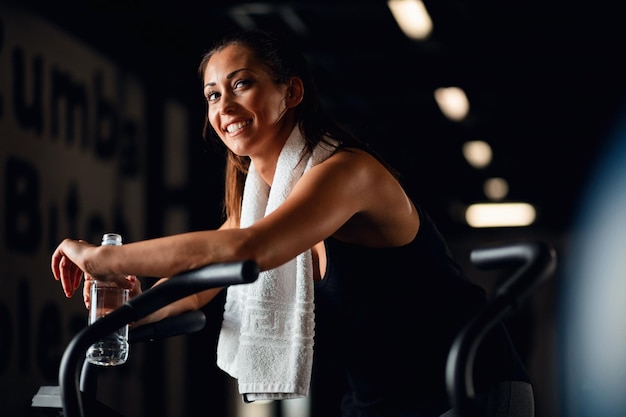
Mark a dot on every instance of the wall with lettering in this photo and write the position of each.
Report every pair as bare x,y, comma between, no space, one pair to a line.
72,163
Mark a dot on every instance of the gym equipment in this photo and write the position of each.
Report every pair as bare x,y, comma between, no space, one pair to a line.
75,394
535,262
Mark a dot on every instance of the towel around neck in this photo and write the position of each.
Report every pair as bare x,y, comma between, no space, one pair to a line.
266,339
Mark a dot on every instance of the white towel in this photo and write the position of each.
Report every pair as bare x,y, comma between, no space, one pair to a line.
266,339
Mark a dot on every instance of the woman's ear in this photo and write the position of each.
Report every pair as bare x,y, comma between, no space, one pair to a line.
295,92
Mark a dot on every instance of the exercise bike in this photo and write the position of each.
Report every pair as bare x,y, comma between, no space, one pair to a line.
76,394
533,262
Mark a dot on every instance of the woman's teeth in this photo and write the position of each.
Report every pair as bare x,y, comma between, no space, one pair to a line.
236,126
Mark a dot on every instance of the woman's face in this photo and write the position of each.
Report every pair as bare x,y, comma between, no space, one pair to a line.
245,107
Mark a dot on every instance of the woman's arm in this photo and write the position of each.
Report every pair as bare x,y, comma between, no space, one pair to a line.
189,303
350,195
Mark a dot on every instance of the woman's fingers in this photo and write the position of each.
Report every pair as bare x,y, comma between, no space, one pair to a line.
77,276
70,276
87,283
55,263
65,277
135,290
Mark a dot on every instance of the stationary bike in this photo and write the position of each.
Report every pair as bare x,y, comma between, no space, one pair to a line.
76,394
534,263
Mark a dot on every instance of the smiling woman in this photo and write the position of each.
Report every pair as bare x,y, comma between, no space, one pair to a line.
351,268
236,83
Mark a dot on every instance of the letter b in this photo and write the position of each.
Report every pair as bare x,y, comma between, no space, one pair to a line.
22,221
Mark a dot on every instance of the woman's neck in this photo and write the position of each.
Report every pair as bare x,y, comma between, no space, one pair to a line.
265,163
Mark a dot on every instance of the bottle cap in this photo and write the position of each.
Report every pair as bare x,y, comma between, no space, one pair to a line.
111,239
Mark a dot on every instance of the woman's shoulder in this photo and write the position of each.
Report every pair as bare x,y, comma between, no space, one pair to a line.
352,157
352,167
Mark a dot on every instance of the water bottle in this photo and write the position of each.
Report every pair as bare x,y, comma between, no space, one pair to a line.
106,297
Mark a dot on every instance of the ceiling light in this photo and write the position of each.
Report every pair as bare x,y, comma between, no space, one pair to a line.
477,153
496,188
500,215
412,17
452,102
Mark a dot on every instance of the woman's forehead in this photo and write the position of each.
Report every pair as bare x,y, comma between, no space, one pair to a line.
234,53
231,58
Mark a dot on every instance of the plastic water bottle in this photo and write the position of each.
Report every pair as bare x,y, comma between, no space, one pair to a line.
106,297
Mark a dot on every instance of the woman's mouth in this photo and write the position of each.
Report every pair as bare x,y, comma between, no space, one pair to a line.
231,128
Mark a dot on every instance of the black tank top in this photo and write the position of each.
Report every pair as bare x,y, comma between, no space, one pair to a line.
385,320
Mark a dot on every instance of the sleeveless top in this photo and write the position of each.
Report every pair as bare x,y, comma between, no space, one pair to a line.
385,320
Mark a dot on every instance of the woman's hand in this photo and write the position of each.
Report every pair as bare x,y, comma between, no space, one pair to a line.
135,290
72,260
133,284
68,264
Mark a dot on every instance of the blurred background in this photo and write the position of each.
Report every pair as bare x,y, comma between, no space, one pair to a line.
504,106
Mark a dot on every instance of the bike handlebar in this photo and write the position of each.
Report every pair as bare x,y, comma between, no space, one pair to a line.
535,262
179,286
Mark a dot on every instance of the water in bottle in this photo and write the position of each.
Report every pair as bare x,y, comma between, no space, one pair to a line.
106,297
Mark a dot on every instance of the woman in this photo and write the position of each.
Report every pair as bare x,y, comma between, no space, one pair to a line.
358,297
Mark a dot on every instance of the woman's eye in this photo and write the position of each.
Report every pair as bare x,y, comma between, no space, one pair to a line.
212,96
242,83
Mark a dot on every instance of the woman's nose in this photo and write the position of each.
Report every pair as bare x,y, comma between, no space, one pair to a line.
227,103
